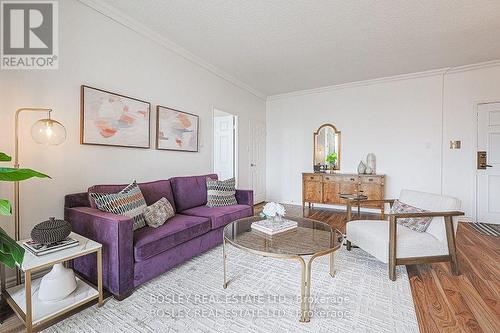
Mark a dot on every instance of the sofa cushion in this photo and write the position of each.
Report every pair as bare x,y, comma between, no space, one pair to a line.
190,191
418,224
149,242
220,216
373,237
221,192
129,202
158,213
152,191
434,203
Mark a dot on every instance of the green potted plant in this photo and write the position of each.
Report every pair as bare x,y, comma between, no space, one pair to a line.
11,252
332,160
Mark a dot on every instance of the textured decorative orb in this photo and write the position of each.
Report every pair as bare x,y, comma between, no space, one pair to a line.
48,132
51,231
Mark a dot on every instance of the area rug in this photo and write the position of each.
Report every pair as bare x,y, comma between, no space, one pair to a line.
262,296
487,229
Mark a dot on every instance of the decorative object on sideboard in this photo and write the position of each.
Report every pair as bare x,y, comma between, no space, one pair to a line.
273,211
332,160
51,231
361,168
371,164
176,130
326,142
110,119
46,131
57,284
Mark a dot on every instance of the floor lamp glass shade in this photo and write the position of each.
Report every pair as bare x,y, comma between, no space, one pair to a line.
48,132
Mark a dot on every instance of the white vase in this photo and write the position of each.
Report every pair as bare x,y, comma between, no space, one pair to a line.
57,284
371,162
361,167
368,170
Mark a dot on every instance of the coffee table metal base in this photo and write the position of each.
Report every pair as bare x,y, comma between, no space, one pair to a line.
305,280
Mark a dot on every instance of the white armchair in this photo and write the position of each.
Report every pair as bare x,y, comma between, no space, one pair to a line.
398,245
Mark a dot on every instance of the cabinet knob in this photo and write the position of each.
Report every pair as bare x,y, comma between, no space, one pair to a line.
311,177
352,179
370,179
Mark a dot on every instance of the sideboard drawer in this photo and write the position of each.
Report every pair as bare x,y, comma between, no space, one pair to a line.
312,177
371,180
332,178
349,179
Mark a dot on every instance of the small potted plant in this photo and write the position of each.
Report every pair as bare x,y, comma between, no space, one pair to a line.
332,160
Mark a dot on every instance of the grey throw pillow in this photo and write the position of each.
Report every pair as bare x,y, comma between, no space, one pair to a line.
158,213
419,224
221,192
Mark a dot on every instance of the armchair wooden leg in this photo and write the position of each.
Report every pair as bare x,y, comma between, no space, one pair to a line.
452,248
392,248
348,245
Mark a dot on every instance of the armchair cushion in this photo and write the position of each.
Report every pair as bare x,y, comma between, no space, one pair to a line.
418,224
373,237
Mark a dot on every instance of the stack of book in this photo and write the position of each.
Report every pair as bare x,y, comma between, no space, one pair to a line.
270,227
39,249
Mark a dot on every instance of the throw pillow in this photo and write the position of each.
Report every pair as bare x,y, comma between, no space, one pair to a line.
158,213
419,224
221,192
129,202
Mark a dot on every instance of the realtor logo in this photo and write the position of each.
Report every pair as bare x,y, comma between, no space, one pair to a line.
29,35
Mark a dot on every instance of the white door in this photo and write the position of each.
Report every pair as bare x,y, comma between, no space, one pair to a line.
488,174
257,151
224,146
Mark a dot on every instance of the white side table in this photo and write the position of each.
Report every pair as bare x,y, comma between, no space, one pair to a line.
23,299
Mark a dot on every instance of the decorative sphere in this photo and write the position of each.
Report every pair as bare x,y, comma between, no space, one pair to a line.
48,132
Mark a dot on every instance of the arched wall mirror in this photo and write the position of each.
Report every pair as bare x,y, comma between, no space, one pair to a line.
326,148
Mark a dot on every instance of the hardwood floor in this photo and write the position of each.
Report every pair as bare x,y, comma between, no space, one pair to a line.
443,302
469,302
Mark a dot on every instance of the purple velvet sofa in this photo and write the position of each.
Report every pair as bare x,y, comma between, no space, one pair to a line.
131,258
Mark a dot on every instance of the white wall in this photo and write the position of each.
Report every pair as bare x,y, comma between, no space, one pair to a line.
400,120
96,51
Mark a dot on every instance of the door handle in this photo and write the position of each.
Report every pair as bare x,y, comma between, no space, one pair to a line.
489,166
251,164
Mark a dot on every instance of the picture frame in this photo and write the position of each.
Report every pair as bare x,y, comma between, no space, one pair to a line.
111,119
176,130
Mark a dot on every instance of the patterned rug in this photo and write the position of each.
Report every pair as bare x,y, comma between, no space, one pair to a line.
262,296
487,229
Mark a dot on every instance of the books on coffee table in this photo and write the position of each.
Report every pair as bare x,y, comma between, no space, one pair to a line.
270,227
42,249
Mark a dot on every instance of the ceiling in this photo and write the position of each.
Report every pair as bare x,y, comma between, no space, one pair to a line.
278,46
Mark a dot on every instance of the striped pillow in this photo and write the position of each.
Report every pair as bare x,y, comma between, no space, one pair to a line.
221,192
129,202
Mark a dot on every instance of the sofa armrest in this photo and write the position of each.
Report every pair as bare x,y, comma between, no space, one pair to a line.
244,197
115,233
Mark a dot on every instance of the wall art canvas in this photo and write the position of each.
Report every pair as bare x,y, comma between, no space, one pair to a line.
113,120
176,130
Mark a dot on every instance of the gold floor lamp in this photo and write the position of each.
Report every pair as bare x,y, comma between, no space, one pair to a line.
45,131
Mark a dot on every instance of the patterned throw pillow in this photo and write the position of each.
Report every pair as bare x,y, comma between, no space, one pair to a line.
158,213
129,202
419,224
221,192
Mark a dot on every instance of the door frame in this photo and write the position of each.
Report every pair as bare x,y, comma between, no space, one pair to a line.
475,142
235,142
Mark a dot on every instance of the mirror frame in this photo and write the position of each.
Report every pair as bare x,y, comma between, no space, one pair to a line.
337,132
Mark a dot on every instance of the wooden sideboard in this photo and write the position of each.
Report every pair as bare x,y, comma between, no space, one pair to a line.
325,188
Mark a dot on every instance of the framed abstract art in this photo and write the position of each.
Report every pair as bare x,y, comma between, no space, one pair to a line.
111,119
176,130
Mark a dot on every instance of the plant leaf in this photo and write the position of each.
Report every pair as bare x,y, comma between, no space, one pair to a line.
10,251
14,175
5,208
5,158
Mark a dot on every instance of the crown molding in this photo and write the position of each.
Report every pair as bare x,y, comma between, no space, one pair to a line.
441,71
130,23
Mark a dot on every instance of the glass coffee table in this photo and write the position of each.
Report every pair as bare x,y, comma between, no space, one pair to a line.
310,238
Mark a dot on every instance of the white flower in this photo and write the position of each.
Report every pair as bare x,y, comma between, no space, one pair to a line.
272,209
